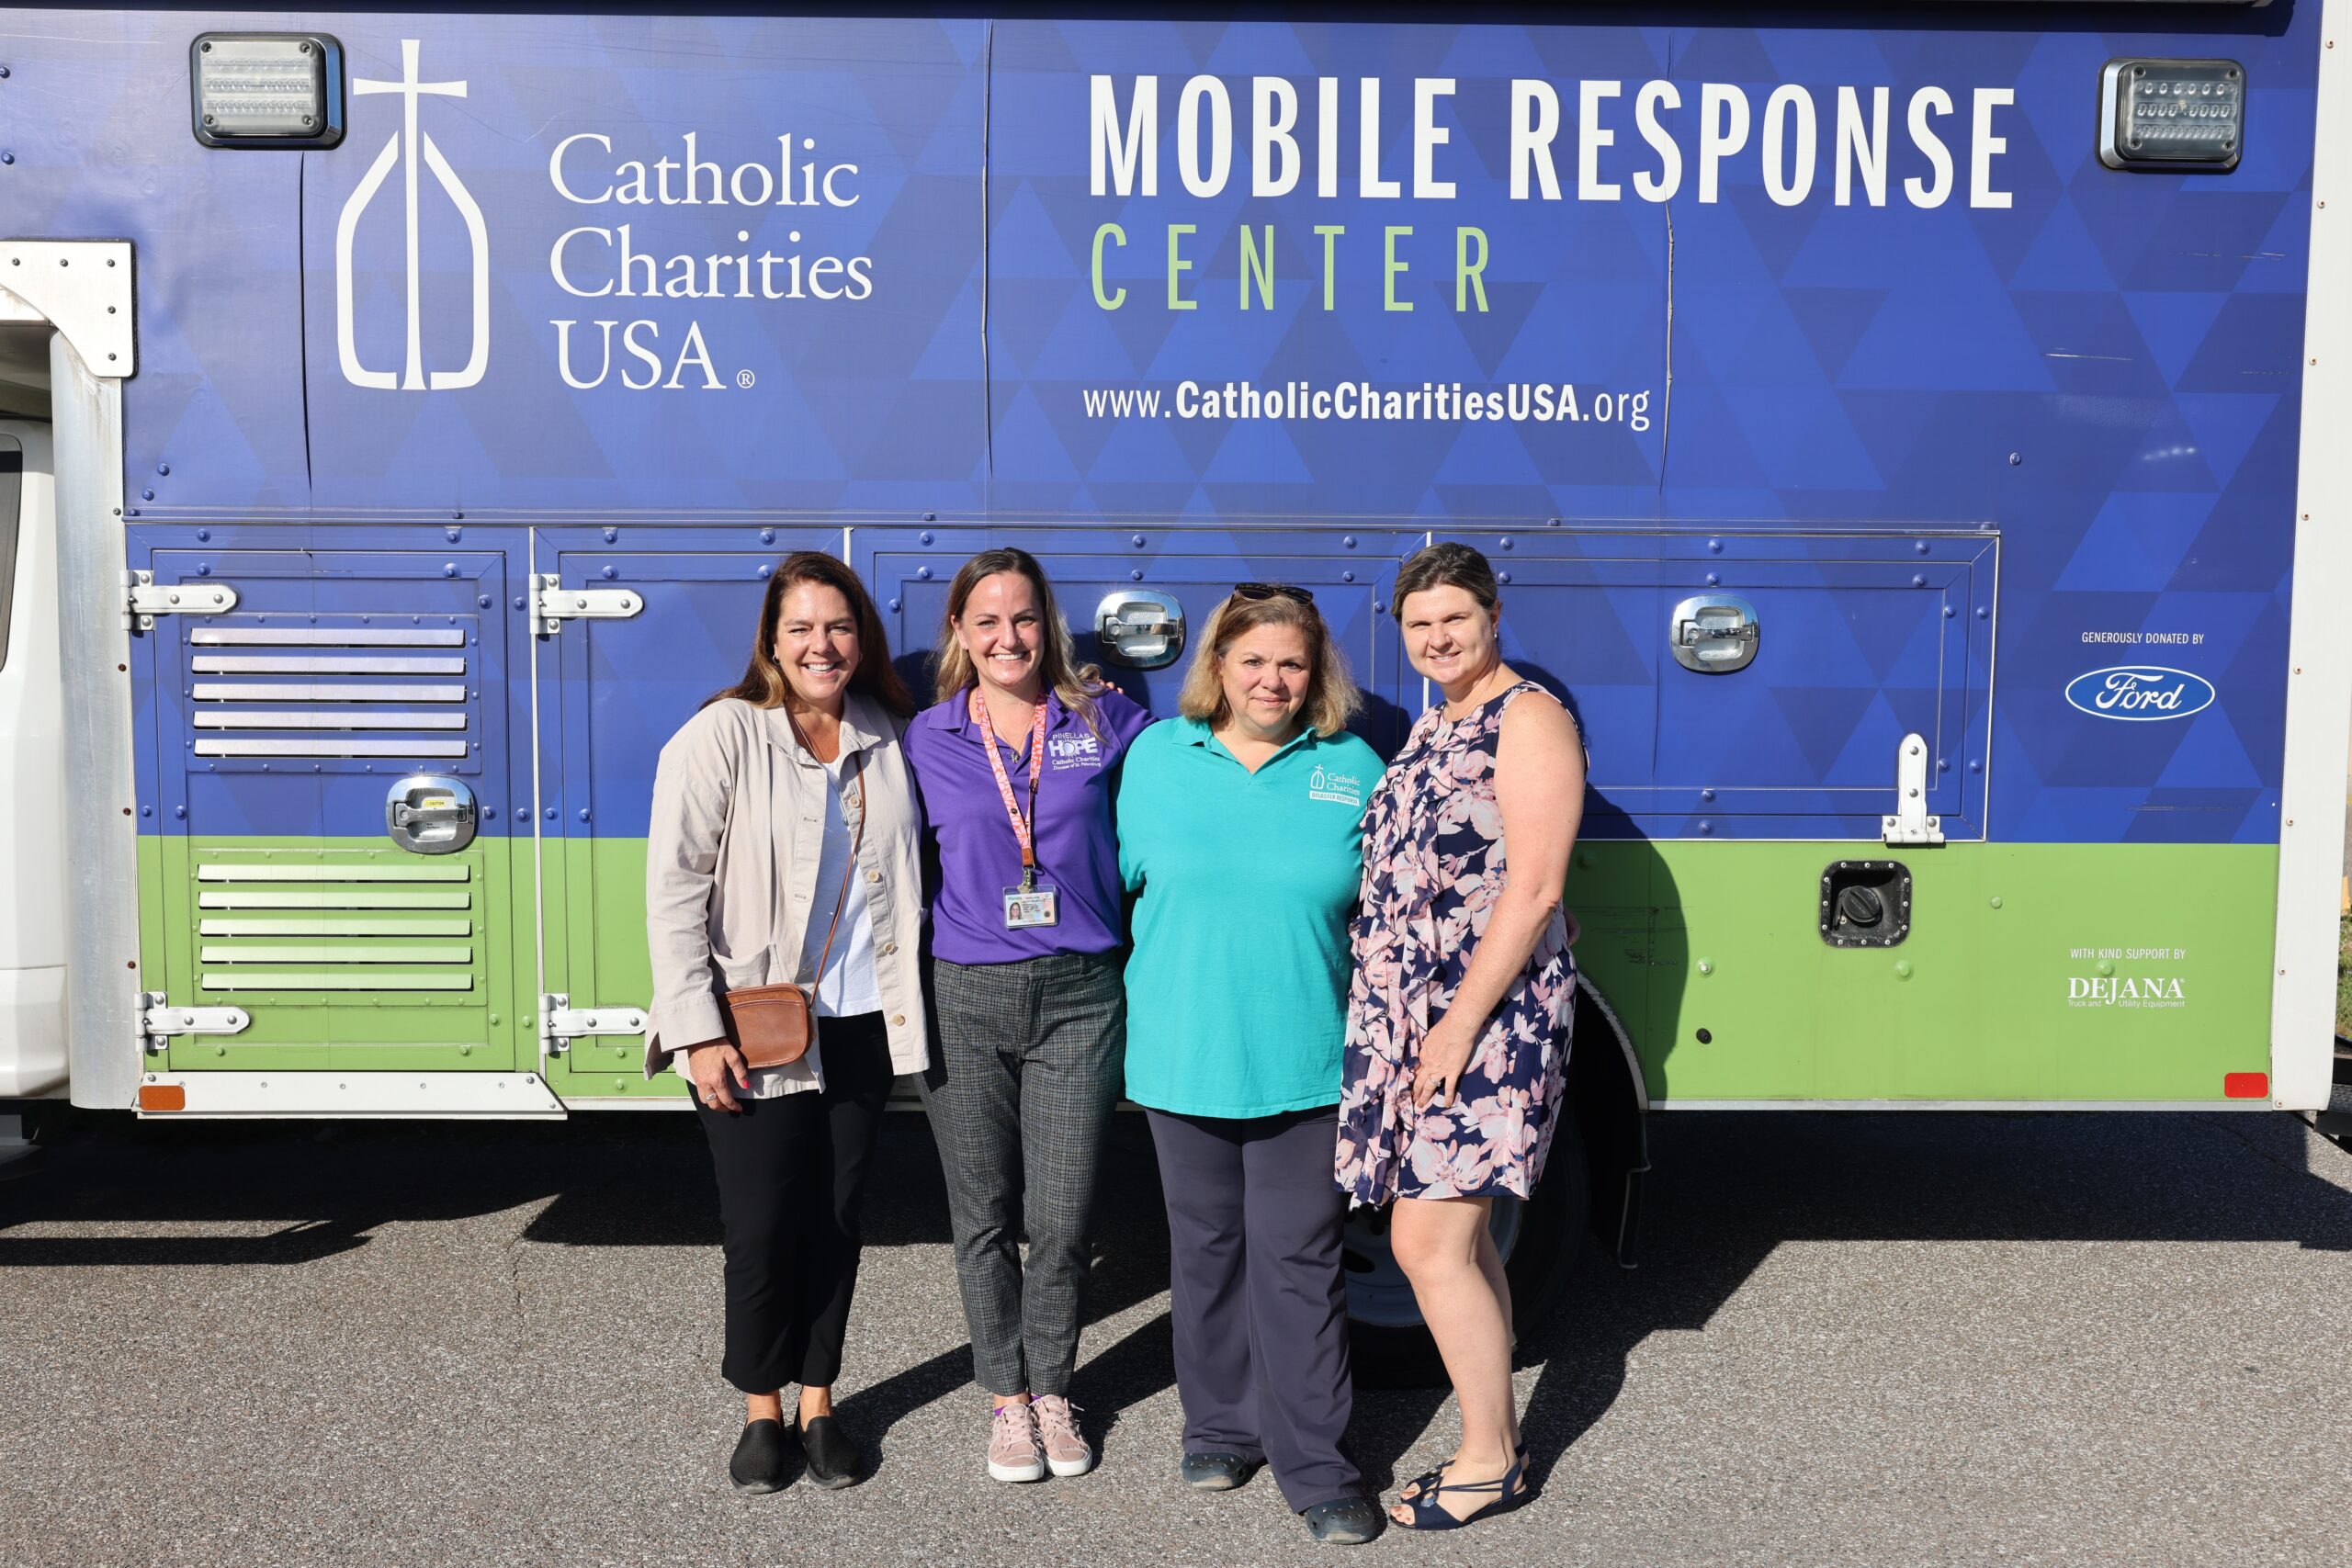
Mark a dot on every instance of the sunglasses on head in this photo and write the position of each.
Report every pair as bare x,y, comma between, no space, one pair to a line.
1257,590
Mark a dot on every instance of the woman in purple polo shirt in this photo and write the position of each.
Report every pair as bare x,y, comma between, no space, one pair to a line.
1017,765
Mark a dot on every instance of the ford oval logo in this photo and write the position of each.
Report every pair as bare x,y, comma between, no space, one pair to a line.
2143,693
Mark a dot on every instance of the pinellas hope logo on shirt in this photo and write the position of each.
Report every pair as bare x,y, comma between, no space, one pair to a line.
1076,750
1341,789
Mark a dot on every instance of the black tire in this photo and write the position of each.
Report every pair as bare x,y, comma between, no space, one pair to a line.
1389,1344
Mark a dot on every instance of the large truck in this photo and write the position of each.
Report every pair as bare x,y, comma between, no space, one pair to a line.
1910,438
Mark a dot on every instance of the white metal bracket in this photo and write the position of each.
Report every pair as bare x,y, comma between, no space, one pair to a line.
453,1096
558,603
143,600
82,287
1910,824
159,1021
562,1024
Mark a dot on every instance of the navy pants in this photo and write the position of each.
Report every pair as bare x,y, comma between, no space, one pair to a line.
1260,1310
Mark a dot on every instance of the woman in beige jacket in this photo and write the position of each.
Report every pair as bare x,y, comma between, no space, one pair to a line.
754,843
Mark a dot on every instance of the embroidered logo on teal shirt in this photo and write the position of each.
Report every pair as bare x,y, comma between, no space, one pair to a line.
1341,789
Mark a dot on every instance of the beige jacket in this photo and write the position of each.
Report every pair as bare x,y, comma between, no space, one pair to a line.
731,857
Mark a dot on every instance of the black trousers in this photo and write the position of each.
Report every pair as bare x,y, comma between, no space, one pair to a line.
1259,1308
791,1195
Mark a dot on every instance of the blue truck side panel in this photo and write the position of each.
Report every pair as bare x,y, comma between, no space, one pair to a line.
2063,425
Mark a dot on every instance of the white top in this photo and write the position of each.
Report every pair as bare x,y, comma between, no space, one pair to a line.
847,987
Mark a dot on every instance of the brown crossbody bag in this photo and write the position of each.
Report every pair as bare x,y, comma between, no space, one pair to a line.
774,1026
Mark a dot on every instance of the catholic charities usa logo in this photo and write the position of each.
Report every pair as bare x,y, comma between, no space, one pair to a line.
633,298
1341,789
410,151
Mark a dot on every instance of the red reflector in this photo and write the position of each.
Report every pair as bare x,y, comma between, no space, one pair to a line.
2246,1086
161,1096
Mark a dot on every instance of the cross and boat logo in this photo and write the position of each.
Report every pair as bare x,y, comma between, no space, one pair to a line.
412,152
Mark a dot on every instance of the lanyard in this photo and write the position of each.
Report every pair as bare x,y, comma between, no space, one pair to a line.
1021,824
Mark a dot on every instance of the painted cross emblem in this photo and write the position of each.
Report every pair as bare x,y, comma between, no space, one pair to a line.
409,148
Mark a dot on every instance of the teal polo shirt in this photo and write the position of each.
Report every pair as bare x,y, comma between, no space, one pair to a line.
1238,986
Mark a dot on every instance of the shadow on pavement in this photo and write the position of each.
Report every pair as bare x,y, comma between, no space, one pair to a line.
1729,1190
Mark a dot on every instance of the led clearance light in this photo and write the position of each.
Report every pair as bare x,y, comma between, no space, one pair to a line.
2172,114
265,89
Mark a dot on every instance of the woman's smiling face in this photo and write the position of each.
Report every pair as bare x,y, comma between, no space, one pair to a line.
1004,631
816,642
1449,636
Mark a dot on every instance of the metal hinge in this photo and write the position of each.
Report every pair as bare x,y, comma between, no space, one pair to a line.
558,603
142,600
560,1023
159,1021
1910,824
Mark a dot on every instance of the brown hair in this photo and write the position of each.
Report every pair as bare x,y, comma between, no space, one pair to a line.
764,684
1057,665
1447,565
1331,696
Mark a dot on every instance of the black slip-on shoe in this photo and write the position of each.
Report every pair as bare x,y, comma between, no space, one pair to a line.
1216,1471
834,1459
1344,1521
757,1464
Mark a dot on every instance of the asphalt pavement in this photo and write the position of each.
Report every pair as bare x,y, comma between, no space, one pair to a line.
1851,1340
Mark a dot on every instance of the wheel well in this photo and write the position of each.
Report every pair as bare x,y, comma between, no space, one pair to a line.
1610,1097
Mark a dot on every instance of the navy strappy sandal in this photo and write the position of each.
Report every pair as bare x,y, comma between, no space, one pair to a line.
1429,1516
1436,1473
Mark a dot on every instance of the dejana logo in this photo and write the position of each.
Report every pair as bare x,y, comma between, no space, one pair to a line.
404,148
2141,693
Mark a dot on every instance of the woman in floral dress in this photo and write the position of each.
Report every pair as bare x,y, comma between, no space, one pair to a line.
1459,1010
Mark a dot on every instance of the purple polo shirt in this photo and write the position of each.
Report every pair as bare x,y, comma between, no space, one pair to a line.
1078,850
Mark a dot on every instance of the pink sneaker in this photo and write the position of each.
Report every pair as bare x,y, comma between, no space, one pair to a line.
1016,1451
1067,1452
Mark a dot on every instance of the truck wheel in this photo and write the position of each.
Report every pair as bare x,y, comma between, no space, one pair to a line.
1539,1238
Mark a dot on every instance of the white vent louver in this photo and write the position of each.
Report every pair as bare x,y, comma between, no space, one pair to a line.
303,717
331,922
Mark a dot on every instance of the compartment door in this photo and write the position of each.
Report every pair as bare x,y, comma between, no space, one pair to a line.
610,694
1350,573
1862,640
281,726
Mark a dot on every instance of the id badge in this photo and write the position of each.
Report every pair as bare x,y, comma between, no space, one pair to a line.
1028,907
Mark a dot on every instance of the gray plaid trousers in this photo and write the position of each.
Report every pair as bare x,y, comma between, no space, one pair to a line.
1031,1059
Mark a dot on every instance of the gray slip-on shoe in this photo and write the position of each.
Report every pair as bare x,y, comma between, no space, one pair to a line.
1216,1471
1344,1521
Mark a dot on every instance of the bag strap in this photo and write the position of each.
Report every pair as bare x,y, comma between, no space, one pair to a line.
857,841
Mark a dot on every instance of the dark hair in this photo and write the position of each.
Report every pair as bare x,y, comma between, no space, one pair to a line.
1444,565
1057,665
764,684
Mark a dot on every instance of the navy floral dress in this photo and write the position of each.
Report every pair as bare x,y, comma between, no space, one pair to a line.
1434,864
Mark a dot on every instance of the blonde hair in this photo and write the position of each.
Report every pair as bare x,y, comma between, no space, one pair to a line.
1057,667
1331,696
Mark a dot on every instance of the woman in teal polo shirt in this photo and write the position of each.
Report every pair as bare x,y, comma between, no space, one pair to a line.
1240,827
